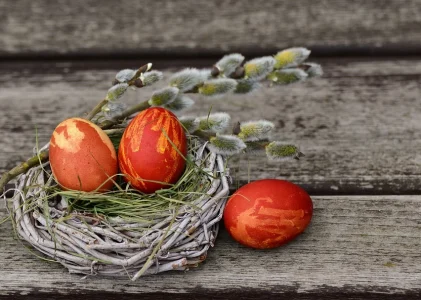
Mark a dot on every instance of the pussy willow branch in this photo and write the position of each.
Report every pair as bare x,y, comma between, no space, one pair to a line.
107,124
131,82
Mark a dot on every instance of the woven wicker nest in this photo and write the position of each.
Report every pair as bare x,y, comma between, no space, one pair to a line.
91,245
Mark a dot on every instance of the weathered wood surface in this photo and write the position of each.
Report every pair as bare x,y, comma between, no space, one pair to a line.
357,247
201,27
359,125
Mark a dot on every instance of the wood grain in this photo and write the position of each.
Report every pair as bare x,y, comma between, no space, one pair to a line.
140,27
356,246
358,125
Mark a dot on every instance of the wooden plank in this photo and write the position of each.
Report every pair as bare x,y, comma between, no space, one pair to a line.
358,125
357,247
140,27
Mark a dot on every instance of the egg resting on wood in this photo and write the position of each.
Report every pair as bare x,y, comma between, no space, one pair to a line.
82,156
152,150
267,213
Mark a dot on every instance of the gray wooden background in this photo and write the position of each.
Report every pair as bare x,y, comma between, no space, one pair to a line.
202,27
359,126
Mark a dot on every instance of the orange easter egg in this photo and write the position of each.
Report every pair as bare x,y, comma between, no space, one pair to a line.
82,156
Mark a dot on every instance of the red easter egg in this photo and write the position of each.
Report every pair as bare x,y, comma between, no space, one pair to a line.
152,150
267,213
82,156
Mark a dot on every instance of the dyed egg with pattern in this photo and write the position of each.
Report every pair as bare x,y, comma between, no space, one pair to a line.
267,213
152,150
82,156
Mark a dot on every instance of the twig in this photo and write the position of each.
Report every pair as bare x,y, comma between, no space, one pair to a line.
96,109
23,168
127,113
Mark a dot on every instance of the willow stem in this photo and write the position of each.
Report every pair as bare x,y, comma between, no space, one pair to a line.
23,168
127,113
96,109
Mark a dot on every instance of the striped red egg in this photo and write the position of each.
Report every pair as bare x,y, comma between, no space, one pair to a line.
152,150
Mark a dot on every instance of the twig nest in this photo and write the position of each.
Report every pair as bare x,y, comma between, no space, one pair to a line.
174,232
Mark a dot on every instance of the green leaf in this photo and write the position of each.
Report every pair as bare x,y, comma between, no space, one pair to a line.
163,96
255,130
291,57
116,91
259,68
217,87
226,145
281,151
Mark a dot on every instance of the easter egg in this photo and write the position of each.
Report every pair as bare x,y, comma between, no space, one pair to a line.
152,150
82,156
267,213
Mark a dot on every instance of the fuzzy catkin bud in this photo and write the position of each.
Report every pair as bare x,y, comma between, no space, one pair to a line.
291,57
217,87
217,122
116,91
125,75
226,145
287,76
151,77
112,110
255,130
206,74
245,86
256,147
258,68
164,96
190,124
187,79
314,70
229,63
281,151
180,103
